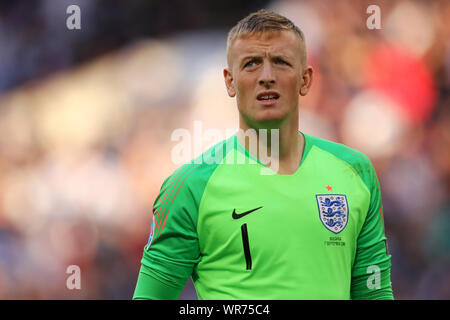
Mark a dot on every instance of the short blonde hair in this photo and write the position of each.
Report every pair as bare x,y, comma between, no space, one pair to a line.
261,21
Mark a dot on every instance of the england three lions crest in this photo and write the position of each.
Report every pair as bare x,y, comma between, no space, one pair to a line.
333,211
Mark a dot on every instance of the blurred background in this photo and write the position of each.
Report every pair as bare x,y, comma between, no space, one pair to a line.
86,118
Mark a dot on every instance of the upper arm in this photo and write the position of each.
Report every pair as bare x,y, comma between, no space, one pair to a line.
172,250
371,268
153,285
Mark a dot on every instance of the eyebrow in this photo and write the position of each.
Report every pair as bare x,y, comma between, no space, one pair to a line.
259,56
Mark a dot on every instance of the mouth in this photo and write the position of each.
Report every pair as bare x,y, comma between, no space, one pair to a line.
268,97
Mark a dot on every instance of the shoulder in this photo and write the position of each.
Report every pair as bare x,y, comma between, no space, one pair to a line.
360,162
196,173
339,150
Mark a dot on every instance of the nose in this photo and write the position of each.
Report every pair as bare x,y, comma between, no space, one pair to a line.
267,76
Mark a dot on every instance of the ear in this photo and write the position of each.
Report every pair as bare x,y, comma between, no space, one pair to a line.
307,80
229,82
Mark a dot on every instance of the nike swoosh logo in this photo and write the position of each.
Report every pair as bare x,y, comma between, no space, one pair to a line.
243,214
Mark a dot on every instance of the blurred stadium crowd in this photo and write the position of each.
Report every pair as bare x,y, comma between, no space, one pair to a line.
86,124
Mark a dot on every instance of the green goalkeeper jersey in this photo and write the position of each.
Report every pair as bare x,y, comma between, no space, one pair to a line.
241,233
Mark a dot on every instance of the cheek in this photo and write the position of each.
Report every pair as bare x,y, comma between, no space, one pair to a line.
244,89
290,87
294,85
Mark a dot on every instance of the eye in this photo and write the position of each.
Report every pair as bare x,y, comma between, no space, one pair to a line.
281,61
251,63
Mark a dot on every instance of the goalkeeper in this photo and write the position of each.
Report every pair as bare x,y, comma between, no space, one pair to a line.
313,229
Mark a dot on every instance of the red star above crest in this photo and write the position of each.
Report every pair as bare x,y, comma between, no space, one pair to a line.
329,188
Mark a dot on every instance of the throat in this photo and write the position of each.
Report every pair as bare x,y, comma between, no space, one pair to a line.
283,156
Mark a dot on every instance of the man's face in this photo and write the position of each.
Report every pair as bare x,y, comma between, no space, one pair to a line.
266,74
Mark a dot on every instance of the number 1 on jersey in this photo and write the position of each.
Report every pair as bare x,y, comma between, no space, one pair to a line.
248,257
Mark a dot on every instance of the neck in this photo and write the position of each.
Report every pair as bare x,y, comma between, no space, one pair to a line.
282,146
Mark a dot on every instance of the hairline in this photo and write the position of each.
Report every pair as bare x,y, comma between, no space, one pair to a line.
243,34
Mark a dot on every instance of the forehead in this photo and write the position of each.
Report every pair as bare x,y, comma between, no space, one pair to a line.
284,42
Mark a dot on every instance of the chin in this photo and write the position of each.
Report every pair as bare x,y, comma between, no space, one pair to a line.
272,120
272,114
